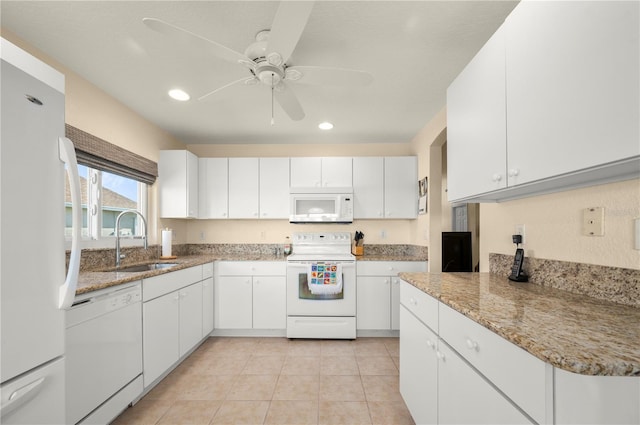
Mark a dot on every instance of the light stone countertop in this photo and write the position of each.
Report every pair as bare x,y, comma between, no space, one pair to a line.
89,281
573,332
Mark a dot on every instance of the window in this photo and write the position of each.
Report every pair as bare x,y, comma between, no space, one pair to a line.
112,180
104,196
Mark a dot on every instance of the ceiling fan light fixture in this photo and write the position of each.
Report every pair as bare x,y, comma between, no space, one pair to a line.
325,125
178,94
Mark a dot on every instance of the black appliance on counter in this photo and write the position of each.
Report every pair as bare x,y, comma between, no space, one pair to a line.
456,252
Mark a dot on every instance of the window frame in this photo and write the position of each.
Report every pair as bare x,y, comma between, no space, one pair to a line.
95,239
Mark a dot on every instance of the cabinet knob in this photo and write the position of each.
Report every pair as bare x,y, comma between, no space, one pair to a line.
224,214
496,177
473,345
440,355
514,172
431,344
413,301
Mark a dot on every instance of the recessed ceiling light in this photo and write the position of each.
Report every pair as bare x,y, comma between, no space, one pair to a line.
180,95
325,125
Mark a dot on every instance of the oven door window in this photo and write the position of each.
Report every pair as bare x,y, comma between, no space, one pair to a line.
305,294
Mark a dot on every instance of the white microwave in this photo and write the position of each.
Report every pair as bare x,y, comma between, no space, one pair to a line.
321,205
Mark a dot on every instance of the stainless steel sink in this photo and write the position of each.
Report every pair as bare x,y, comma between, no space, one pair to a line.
146,267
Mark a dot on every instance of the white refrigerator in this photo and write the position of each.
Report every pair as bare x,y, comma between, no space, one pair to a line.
34,291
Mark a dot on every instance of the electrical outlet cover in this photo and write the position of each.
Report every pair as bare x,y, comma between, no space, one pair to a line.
593,221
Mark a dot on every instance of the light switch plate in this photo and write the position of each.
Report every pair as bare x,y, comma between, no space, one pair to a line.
593,221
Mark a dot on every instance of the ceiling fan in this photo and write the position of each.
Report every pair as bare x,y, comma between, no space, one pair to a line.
267,58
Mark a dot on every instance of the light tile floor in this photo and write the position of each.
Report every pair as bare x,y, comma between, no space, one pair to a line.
279,381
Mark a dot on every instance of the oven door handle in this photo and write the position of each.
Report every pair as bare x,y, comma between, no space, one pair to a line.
306,265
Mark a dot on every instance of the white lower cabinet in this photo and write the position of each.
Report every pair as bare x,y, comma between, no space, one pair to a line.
378,293
207,306
250,295
190,319
466,397
418,368
172,319
455,371
160,336
233,297
437,384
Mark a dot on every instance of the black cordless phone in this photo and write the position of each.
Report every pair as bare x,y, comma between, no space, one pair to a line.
517,274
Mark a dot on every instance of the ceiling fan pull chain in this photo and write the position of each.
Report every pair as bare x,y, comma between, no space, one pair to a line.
272,120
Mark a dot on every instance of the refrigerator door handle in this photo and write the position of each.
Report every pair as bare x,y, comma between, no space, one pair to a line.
68,289
21,396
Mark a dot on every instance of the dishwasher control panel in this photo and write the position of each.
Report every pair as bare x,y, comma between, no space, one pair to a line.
87,308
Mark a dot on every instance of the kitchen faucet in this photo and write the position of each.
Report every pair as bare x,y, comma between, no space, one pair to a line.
144,222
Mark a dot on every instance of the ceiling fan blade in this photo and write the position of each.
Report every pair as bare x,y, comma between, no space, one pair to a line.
189,38
328,76
287,27
241,80
288,101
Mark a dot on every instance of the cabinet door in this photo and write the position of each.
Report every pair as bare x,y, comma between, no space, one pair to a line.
306,172
269,302
572,86
373,303
233,300
160,335
395,303
274,188
466,398
178,184
401,187
190,317
476,123
207,306
213,189
368,187
418,369
337,172
243,187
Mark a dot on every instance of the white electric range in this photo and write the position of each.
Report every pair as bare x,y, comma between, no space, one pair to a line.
321,286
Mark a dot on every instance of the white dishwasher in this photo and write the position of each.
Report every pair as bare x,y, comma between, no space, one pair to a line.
103,353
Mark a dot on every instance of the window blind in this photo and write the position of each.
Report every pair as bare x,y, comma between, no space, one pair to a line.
102,155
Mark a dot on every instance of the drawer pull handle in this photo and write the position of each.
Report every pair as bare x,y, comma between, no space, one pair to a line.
440,355
472,344
431,344
413,301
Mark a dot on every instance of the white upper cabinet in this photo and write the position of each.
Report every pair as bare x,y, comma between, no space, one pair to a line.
368,187
321,172
400,187
274,188
572,86
243,187
213,187
476,123
550,103
178,184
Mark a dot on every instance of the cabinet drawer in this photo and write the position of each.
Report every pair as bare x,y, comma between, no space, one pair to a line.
169,282
520,375
207,271
252,268
422,305
388,268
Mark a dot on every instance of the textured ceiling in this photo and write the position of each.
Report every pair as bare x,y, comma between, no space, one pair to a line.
413,49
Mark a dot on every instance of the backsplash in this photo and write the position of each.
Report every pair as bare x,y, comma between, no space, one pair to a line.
104,258
614,284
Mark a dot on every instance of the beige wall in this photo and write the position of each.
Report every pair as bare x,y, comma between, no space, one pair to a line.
94,111
553,226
